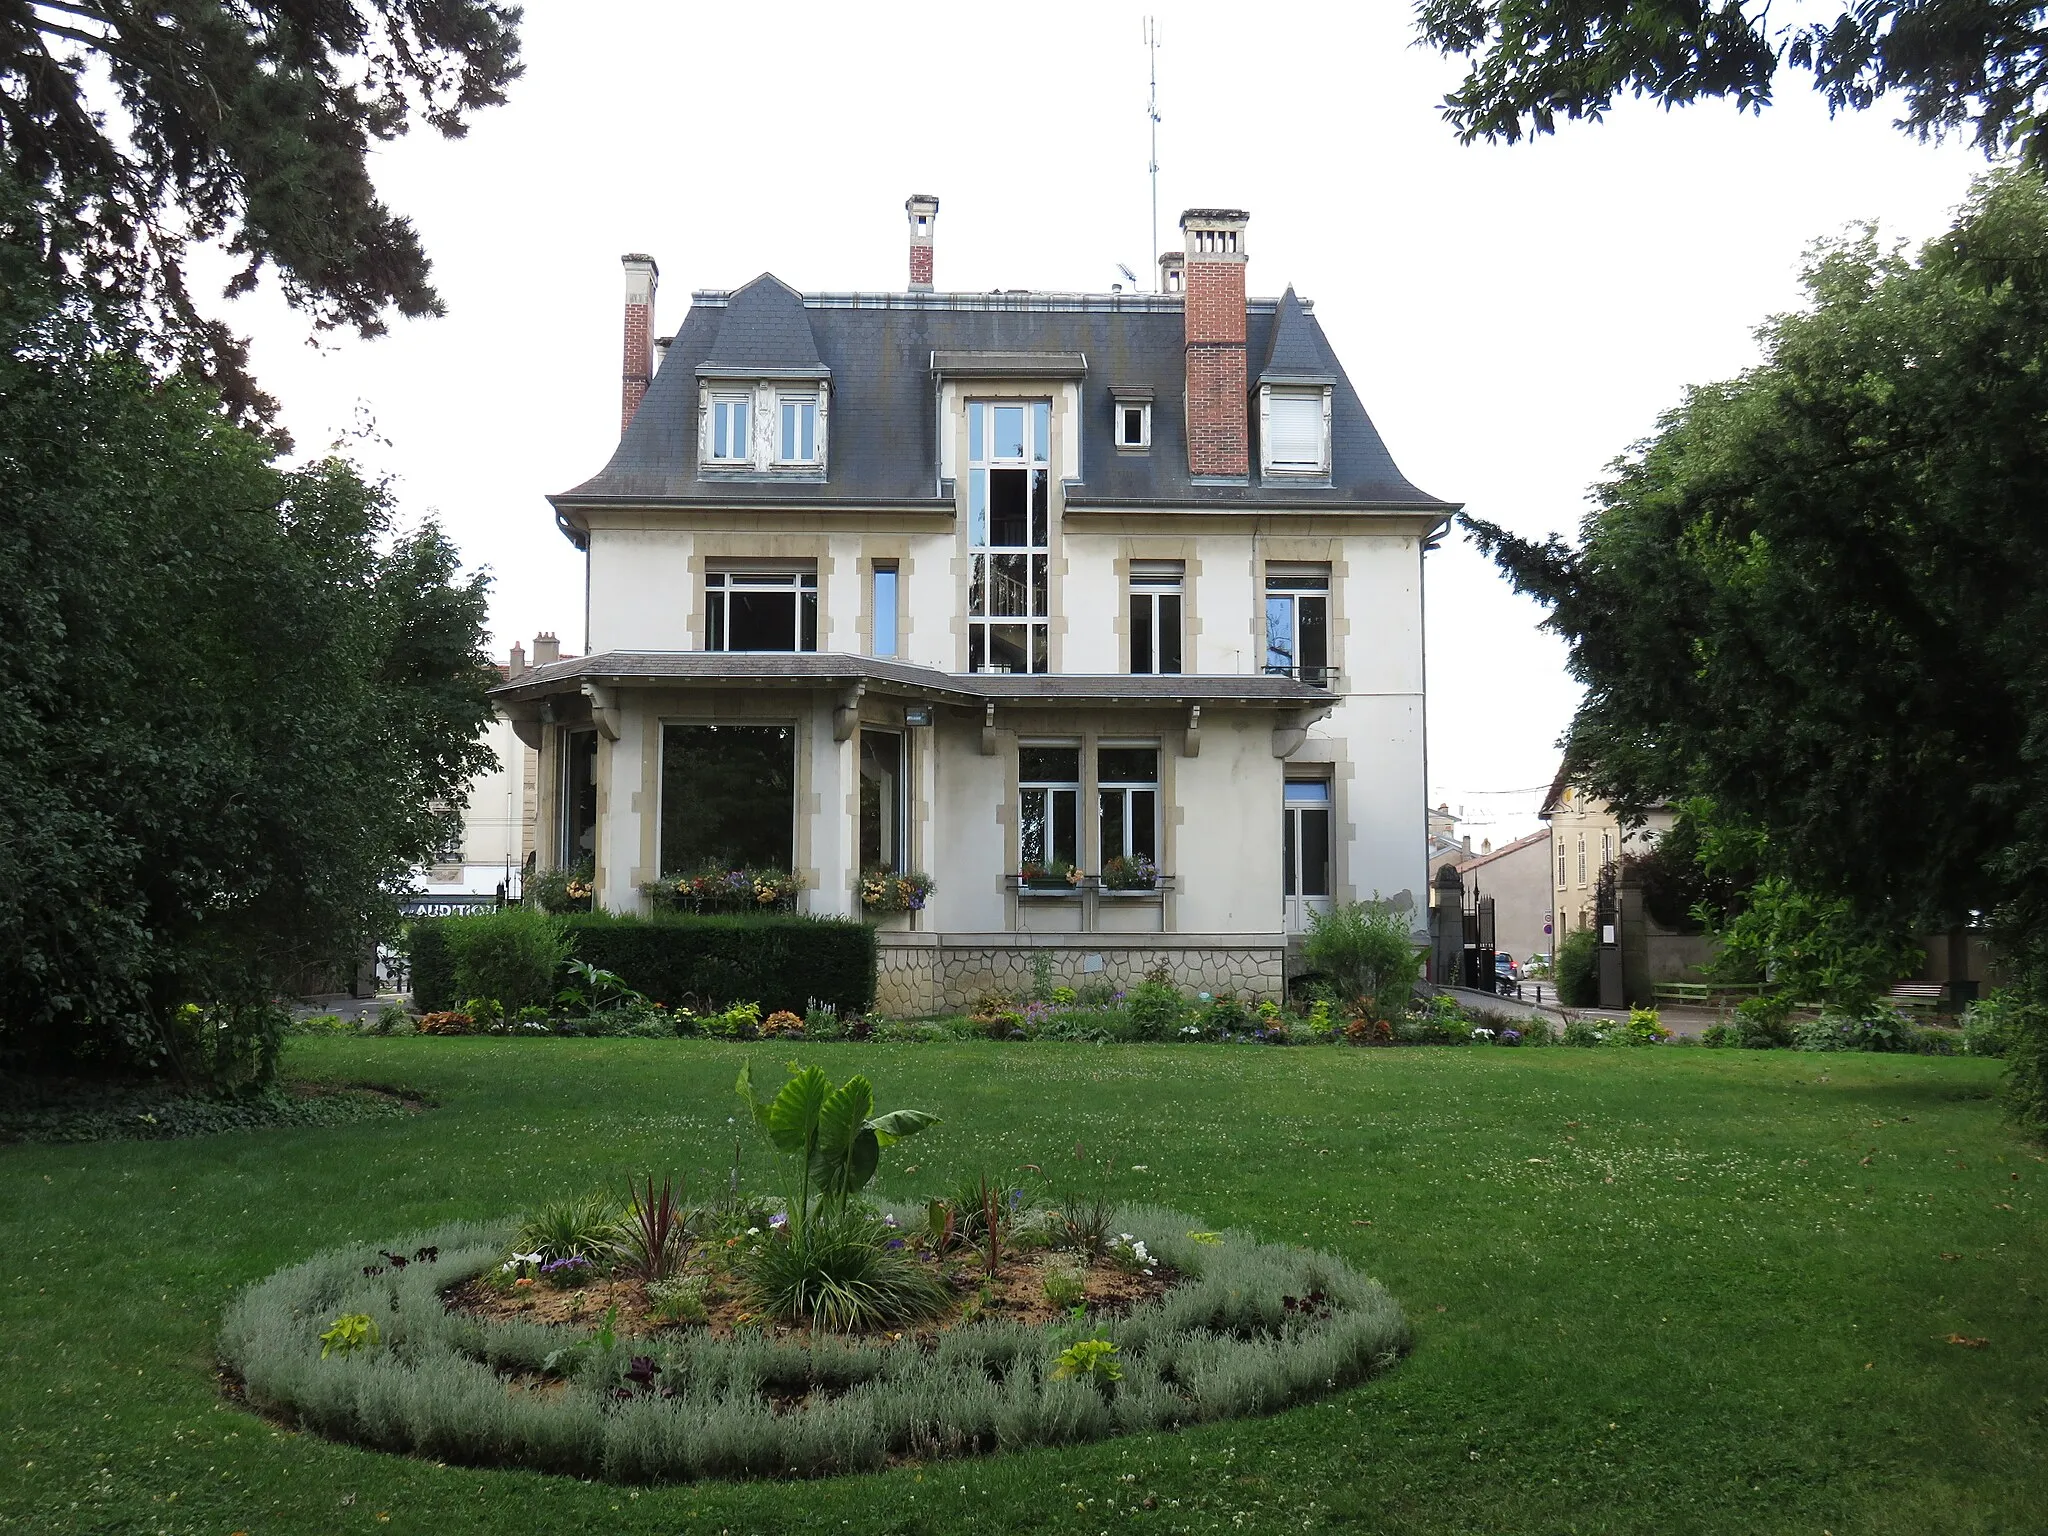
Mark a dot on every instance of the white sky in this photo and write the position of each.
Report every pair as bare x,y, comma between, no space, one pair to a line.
1513,317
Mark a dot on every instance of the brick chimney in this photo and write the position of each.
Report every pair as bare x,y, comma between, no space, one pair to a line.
518,660
546,648
924,213
1218,429
642,276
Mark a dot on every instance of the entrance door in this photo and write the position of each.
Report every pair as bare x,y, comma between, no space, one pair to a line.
1305,850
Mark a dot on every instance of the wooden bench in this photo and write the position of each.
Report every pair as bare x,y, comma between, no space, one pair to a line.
1921,996
1702,994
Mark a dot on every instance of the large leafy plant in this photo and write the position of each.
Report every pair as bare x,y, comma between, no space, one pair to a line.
832,1135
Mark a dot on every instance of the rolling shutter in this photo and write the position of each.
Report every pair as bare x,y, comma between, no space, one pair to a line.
1294,431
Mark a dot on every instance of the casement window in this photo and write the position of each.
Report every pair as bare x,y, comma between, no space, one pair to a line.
1155,615
1009,446
884,800
1606,849
1127,791
728,797
1133,424
731,441
882,609
1298,623
760,611
1048,806
447,835
576,812
1582,858
798,440
1305,848
1294,430
1560,864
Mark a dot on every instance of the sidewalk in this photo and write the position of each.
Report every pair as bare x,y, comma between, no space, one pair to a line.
1680,1021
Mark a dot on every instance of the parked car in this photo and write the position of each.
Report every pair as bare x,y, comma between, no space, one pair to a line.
1505,971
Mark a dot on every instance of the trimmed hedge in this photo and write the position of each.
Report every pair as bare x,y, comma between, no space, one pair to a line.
779,960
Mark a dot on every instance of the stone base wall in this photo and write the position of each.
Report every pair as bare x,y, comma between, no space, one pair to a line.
924,973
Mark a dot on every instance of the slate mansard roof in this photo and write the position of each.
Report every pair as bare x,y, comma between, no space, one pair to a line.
883,352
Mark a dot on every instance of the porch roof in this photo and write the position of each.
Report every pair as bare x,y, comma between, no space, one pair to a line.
811,669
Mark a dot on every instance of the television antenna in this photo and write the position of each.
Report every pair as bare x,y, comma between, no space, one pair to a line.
1152,117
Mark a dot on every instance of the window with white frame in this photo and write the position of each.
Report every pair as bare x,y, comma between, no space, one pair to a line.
731,441
1606,849
797,440
1295,431
1009,447
1561,881
1133,424
1048,812
1127,791
1582,858
1298,623
883,609
761,611
1155,615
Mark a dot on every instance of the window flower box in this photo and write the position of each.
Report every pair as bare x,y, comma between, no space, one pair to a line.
1056,878
889,890
1132,875
726,890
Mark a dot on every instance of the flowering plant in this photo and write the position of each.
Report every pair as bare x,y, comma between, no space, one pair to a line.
726,890
562,890
1130,872
891,890
1128,1252
1054,872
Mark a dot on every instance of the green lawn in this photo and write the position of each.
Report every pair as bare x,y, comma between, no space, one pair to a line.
1654,1290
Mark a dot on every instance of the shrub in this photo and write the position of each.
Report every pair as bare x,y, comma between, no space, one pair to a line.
1879,1029
1991,1025
1721,1035
783,961
1643,1028
512,956
2024,1088
1154,1010
1366,950
1584,1032
433,964
838,1272
569,1229
1578,969
1763,1023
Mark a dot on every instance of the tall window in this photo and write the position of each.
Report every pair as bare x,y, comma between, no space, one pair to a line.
1305,846
883,800
577,843
1560,864
448,835
1298,626
1127,787
883,608
1009,448
1606,849
1155,615
1048,806
760,611
728,797
1582,858
729,439
799,440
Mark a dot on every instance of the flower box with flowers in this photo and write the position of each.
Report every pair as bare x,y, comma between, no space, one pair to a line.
1132,875
890,890
726,890
1055,877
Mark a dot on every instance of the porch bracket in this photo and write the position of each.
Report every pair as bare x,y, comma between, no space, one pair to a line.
1191,744
604,709
526,723
988,730
1293,730
846,714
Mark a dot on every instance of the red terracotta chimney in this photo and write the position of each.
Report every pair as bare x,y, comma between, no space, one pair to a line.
642,276
1218,431
924,213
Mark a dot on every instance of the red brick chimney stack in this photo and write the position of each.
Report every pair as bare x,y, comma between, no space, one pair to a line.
924,213
642,277
1218,431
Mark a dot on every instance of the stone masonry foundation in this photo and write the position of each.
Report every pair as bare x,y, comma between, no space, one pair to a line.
926,973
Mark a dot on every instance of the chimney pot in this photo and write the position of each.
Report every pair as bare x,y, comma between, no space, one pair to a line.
1218,411
642,278
1173,267
546,648
923,210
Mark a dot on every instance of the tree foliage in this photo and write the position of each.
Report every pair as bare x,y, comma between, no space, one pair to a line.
1975,65
131,131
229,694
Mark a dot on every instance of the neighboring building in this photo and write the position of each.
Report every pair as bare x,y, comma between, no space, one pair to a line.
489,841
1445,846
1518,878
1586,834
978,582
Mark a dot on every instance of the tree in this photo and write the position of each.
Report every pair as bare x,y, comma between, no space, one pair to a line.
230,694
1975,64
132,130
1815,595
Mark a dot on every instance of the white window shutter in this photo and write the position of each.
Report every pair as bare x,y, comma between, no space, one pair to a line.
1294,431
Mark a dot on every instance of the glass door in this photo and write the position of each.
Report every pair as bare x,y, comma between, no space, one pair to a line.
1305,850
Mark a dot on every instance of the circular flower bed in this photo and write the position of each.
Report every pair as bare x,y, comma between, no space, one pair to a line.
400,1349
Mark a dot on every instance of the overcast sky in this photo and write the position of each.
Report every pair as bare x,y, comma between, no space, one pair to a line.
1513,317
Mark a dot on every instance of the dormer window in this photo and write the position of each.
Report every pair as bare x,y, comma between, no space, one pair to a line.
730,441
799,430
1294,430
1130,418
